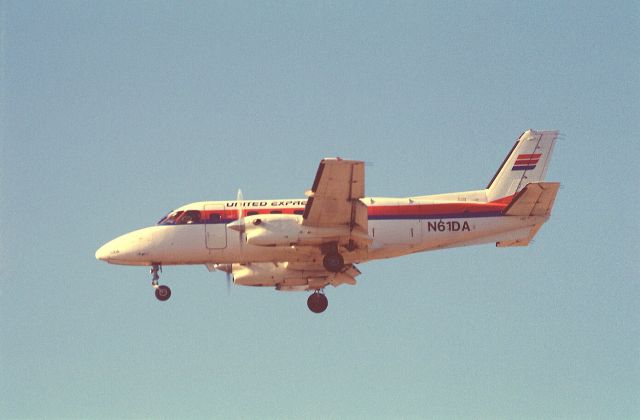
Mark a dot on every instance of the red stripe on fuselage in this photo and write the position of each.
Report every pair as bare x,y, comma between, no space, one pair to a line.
418,210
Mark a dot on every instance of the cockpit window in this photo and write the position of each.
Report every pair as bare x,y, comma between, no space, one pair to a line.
189,217
170,218
163,219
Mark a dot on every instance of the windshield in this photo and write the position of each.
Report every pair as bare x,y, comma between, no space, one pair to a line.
170,219
181,217
189,217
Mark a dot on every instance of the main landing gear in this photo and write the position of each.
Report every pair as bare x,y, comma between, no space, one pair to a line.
162,292
317,302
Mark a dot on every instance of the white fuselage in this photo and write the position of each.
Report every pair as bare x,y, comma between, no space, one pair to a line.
396,226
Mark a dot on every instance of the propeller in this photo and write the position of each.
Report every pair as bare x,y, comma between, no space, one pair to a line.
229,282
239,200
238,226
228,269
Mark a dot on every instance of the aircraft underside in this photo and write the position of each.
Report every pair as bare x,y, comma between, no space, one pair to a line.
306,268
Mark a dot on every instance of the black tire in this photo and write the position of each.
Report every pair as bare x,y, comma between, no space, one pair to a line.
333,262
163,293
317,302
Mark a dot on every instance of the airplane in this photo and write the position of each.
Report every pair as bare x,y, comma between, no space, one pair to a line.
308,244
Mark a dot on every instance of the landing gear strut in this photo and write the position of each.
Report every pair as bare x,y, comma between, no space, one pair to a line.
162,292
317,302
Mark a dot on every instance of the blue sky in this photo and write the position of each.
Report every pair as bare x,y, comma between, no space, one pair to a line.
114,113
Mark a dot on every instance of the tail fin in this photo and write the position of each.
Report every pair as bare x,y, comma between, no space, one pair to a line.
526,163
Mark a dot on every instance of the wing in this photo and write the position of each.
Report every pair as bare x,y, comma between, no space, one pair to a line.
334,199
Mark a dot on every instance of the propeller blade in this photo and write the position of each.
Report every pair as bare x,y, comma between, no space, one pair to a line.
240,221
228,269
239,205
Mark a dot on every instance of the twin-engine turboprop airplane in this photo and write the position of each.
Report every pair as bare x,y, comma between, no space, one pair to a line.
308,244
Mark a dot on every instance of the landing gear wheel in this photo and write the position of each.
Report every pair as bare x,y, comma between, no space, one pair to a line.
163,293
317,302
333,262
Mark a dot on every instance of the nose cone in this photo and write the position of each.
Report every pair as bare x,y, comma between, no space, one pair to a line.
129,249
102,253
111,250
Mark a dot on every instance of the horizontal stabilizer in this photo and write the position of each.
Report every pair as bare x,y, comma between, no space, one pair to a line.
523,240
536,199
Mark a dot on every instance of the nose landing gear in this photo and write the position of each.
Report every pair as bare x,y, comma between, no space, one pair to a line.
162,292
317,302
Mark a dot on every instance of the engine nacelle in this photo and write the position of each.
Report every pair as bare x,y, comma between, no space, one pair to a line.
284,278
273,229
268,274
287,229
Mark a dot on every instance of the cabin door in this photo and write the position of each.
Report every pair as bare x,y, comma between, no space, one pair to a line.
215,226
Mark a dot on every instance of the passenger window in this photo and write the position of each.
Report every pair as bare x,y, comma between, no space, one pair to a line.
252,213
276,211
214,217
189,217
300,212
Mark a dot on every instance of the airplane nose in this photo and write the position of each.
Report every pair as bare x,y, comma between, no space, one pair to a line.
130,248
102,253
110,250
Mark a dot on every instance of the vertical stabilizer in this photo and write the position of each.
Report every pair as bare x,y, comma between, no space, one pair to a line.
527,163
